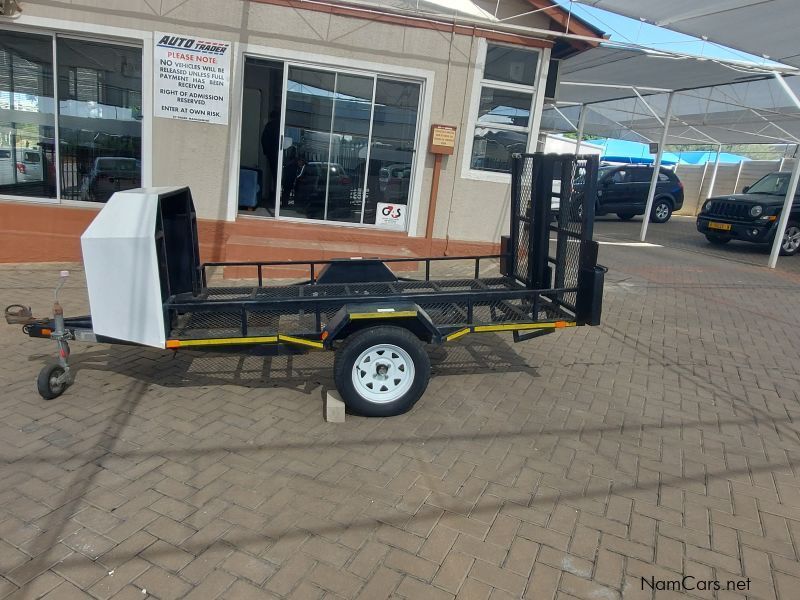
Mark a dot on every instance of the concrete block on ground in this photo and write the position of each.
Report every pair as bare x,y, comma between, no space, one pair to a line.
334,407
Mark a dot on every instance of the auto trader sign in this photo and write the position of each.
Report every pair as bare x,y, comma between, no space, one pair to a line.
192,79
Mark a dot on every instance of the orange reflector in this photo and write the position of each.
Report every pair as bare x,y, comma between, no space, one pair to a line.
773,218
173,343
46,331
325,335
560,324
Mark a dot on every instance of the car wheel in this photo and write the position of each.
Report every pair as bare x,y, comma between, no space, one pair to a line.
717,240
381,371
791,240
625,216
662,211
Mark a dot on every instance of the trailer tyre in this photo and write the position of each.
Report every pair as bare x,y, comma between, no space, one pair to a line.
381,371
51,381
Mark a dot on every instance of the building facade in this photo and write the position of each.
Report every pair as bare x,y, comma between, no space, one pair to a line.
301,127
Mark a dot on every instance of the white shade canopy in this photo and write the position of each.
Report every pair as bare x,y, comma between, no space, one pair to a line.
715,101
759,27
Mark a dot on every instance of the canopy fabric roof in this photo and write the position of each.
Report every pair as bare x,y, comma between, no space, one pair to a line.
716,101
759,27
627,151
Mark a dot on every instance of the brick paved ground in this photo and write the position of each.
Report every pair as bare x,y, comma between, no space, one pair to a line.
664,443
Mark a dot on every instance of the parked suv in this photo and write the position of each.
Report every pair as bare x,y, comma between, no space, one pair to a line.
753,215
623,190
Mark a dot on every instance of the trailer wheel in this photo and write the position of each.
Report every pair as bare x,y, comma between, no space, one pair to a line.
52,381
381,371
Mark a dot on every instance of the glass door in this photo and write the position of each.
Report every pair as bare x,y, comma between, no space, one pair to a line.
391,153
352,112
347,146
308,115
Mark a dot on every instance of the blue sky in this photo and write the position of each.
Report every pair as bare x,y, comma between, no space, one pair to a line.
624,29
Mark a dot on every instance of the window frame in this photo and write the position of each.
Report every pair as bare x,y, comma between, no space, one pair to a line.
425,78
478,83
58,28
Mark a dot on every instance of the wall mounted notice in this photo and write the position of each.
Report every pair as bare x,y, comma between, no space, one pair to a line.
192,78
443,139
391,216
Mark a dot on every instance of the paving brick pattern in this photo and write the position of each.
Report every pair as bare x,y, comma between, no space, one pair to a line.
663,443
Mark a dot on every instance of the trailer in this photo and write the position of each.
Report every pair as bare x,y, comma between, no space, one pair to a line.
148,287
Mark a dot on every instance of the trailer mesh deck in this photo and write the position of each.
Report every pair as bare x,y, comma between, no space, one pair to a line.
290,320
548,263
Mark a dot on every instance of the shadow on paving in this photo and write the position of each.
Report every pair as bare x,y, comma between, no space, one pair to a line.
462,357
254,368
306,372
72,497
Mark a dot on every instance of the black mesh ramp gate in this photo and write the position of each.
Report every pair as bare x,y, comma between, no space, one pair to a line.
552,218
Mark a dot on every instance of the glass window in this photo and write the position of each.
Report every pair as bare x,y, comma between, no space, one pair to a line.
27,121
492,148
100,118
503,107
621,176
503,119
511,65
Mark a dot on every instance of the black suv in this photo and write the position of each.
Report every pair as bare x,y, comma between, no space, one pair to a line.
753,215
623,190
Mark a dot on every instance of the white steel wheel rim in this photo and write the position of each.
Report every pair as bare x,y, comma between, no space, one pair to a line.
383,373
791,239
662,210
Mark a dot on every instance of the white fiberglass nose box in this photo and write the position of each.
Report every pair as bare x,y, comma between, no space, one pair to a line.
137,252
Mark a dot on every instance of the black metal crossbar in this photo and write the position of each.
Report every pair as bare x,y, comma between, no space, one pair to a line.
313,265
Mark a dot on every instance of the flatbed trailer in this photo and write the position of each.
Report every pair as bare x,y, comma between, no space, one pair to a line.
376,321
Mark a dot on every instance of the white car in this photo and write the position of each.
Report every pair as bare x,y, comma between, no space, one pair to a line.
28,165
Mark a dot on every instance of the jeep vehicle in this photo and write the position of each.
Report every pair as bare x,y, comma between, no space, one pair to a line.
753,215
623,190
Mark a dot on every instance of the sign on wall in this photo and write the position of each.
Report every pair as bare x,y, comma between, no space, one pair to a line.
391,216
443,139
192,78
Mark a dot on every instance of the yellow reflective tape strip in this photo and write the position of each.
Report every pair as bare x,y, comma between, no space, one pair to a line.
524,326
222,341
457,334
396,314
300,341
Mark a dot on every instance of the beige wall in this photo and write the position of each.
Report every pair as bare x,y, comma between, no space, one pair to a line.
467,209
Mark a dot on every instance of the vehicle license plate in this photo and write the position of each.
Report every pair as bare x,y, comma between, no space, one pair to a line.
721,226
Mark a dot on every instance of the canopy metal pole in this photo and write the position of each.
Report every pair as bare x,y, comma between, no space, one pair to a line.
714,172
787,202
656,169
581,124
787,207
